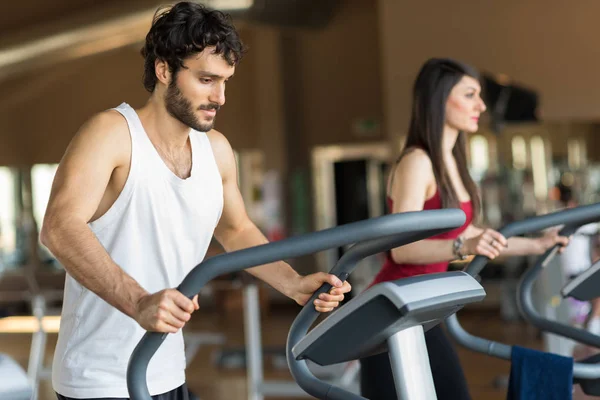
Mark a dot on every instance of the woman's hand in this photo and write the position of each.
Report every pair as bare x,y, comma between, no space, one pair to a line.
489,243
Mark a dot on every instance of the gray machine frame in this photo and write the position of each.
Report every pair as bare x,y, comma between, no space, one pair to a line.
571,218
584,287
14,381
257,387
390,317
528,311
412,297
393,230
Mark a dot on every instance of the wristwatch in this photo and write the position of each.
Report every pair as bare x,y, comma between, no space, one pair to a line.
457,247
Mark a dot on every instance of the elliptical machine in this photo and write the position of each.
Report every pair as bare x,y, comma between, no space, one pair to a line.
585,372
391,317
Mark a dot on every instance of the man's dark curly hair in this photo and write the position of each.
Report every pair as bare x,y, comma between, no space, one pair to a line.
186,29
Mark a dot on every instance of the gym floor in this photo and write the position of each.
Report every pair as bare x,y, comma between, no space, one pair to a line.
212,383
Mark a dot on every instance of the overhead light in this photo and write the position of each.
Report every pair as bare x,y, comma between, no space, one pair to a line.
75,43
91,38
94,38
228,4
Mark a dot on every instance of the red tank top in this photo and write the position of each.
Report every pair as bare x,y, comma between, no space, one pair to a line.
392,271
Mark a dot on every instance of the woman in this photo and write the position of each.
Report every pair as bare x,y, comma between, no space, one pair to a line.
432,173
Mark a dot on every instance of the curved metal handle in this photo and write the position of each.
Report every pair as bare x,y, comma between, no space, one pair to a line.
569,230
571,218
347,263
527,309
285,249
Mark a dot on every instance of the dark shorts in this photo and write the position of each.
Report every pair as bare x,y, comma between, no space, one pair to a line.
180,393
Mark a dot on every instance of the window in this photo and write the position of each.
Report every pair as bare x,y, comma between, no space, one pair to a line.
225,5
42,176
538,165
8,207
479,155
519,152
576,152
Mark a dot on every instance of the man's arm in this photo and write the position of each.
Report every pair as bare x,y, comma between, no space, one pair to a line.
236,231
100,147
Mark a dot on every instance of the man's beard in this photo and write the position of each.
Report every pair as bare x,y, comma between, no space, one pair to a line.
181,109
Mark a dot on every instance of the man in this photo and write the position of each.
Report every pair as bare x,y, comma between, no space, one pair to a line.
135,202
581,254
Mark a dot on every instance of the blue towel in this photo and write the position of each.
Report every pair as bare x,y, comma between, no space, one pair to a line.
535,375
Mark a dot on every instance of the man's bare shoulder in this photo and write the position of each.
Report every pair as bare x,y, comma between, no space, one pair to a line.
106,132
219,142
223,153
108,125
220,145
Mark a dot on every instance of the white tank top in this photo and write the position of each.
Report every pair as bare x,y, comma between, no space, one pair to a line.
158,229
577,256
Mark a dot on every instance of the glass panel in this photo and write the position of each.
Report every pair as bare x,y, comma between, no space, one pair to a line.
538,165
8,232
519,152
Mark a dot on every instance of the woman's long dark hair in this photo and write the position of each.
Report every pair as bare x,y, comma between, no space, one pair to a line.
430,92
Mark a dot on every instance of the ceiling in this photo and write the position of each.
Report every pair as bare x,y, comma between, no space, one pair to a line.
40,33
66,30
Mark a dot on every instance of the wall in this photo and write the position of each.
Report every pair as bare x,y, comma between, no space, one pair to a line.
334,79
545,45
42,120
340,71
42,111
360,66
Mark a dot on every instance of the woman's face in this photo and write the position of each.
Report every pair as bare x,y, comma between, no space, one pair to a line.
464,105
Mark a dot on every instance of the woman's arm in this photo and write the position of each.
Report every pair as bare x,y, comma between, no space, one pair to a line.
412,183
522,246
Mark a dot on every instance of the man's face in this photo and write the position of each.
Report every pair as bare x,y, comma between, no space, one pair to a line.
197,91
